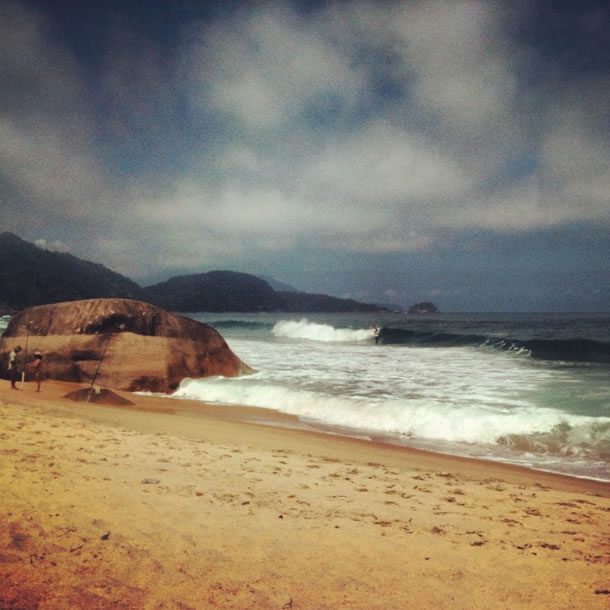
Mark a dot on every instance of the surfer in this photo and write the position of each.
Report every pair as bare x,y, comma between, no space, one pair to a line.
376,333
13,366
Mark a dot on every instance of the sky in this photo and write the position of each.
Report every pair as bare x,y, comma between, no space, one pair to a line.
391,152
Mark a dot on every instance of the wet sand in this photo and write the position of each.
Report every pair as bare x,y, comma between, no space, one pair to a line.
176,505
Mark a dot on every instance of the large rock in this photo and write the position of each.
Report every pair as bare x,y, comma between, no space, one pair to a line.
423,308
135,346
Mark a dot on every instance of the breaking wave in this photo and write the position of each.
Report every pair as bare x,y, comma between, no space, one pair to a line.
313,331
522,389
567,350
525,429
590,440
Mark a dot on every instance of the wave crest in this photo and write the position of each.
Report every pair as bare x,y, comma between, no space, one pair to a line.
567,350
524,430
313,331
589,439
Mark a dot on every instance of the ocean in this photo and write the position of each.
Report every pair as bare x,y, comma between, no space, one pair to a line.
527,389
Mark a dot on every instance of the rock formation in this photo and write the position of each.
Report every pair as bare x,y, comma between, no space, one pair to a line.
423,308
129,344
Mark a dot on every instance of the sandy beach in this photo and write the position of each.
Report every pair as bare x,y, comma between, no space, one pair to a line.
176,505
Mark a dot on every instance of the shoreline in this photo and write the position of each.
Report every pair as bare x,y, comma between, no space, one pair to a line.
274,419
388,441
176,504
266,416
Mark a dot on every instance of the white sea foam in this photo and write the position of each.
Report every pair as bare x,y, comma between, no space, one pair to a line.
421,418
304,329
481,402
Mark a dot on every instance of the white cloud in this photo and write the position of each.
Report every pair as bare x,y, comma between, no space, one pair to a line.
384,164
265,67
462,63
47,139
49,165
575,151
53,246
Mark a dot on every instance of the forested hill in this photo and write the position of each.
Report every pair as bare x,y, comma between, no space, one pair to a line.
215,291
219,291
306,302
30,275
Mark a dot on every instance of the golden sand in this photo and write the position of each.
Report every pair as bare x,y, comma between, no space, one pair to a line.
175,505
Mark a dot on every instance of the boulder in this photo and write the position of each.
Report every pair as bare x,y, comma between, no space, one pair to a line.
129,345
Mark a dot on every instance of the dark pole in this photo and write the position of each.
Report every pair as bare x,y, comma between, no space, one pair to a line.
99,366
25,357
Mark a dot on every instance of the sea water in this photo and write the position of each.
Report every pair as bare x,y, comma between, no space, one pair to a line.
527,389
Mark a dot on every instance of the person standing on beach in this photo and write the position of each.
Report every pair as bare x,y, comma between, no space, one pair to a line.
36,367
13,366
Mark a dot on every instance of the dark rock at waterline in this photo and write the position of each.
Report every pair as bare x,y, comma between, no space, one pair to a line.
423,308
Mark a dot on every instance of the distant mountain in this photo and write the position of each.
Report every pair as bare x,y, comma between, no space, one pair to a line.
279,286
215,291
305,302
218,291
30,275
391,307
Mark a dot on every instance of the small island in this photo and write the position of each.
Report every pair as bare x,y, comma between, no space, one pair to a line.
423,308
